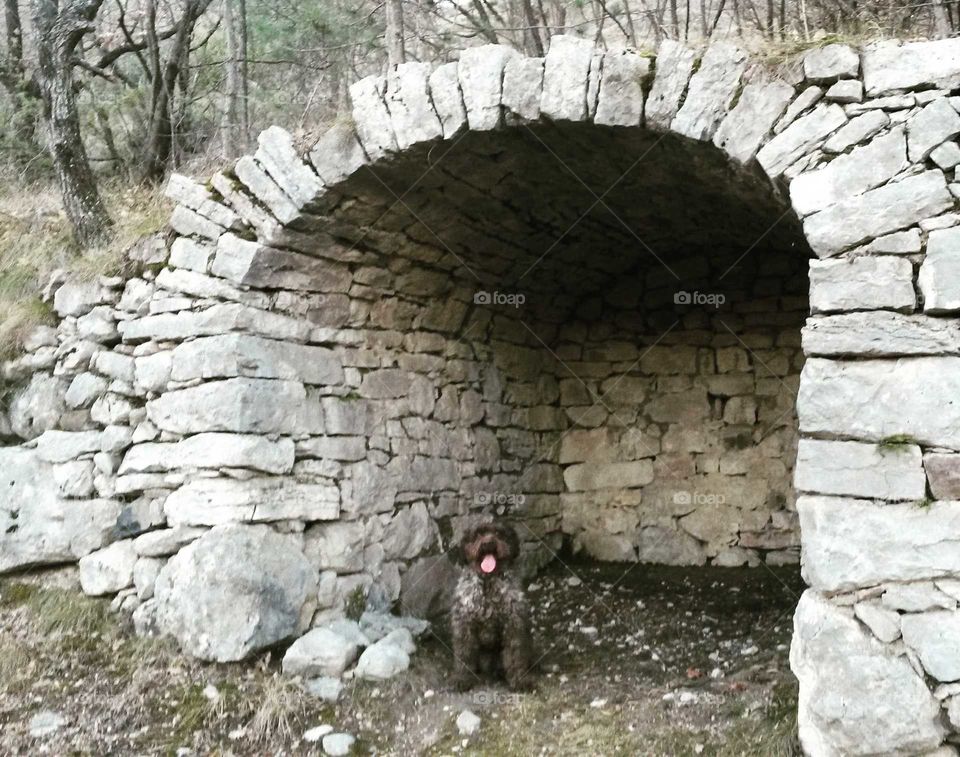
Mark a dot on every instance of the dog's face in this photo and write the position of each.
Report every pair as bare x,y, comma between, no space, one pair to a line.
490,548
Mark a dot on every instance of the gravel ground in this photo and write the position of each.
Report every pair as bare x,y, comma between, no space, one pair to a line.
639,661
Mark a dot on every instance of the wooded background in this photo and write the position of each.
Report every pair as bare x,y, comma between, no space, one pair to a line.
91,89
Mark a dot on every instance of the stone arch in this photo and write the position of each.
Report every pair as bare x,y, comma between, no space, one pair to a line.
249,331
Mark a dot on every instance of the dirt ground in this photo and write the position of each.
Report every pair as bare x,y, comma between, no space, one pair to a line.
654,661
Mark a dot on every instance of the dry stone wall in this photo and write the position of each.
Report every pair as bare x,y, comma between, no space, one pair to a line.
304,389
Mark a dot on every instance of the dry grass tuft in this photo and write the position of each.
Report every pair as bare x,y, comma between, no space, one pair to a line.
279,711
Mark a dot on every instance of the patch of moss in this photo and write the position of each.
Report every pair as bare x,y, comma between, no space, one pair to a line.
896,443
356,603
16,593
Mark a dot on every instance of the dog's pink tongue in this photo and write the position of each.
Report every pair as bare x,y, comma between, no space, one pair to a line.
488,564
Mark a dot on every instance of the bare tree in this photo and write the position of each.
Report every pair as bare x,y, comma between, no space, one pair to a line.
60,27
396,47
236,115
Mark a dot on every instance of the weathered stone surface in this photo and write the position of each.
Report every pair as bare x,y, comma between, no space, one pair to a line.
337,154
890,66
74,479
78,297
857,130
215,320
668,546
211,502
194,256
410,532
880,334
233,591
336,546
523,87
809,97
830,62
882,622
888,208
480,72
589,476
166,541
108,570
371,117
675,64
36,526
233,355
252,264
711,91
799,138
242,405
38,406
447,99
931,127
935,637
848,91
898,243
84,389
320,652
620,98
211,451
856,469
850,175
943,472
850,543
189,223
386,658
849,682
866,399
939,277
276,153
863,283
61,446
743,131
565,73
919,596
411,110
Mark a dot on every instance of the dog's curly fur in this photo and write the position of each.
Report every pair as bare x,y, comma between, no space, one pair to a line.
490,617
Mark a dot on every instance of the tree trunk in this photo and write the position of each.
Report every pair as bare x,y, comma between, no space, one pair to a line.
236,128
941,20
59,31
396,53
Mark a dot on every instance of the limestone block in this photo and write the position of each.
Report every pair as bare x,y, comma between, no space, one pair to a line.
566,70
408,101
590,476
809,97
336,546
213,450
252,264
215,320
78,297
863,283
84,389
189,223
943,472
931,127
746,127
939,271
523,87
261,593
711,91
889,67
187,253
850,543
480,72
668,546
857,130
620,98
61,446
166,541
276,153
337,154
371,117
880,334
447,99
897,243
848,91
320,652
831,62
850,175
242,405
860,470
215,501
849,682
888,208
799,138
674,67
882,622
920,596
108,570
38,406
935,637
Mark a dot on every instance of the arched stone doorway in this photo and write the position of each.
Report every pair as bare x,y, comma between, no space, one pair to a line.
329,316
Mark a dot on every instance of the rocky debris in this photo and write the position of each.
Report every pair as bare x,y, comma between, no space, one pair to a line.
849,682
313,735
261,592
468,723
320,652
327,688
338,744
387,657
46,723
